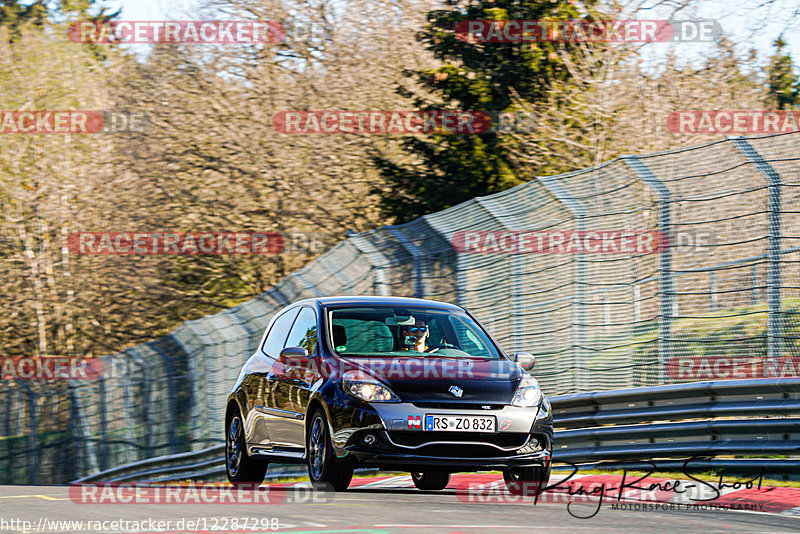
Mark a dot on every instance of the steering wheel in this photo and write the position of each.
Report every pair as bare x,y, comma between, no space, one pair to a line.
441,346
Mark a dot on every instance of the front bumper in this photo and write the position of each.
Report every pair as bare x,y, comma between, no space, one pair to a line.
402,460
524,438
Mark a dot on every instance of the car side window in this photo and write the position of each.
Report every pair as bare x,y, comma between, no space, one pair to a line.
304,331
277,335
469,340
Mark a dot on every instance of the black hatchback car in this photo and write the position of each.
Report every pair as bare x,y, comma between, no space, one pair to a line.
396,383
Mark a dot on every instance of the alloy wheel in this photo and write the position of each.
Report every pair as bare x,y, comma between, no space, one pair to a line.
317,448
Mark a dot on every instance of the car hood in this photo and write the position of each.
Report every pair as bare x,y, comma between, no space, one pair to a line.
428,379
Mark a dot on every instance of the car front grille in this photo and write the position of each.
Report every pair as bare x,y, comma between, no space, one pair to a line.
460,444
459,406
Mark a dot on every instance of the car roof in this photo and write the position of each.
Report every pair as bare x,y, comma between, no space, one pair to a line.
375,300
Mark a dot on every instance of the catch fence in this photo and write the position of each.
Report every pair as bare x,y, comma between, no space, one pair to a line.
720,301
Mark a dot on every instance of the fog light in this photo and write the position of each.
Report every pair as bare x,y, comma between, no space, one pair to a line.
531,446
369,439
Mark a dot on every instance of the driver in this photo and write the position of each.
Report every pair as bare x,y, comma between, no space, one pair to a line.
415,337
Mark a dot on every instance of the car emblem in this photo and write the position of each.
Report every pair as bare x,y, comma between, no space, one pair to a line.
457,391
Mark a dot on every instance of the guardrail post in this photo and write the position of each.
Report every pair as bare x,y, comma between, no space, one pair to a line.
580,358
773,247
666,289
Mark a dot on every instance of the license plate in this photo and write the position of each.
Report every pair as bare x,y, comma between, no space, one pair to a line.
461,423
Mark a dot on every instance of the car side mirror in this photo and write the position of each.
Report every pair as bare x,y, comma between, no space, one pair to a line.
293,355
526,360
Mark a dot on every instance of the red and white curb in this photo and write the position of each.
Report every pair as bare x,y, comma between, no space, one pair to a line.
636,494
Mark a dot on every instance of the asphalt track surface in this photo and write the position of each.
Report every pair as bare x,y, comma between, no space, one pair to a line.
387,506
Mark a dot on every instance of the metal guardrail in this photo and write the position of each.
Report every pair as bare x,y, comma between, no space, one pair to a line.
649,427
163,468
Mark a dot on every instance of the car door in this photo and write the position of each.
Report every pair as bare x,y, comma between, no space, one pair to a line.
293,384
261,380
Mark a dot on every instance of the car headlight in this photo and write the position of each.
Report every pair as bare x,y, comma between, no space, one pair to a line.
367,388
528,393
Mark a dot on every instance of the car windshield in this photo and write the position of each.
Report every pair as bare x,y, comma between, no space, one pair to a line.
408,331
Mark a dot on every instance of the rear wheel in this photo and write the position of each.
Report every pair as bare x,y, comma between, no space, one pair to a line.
431,480
239,466
527,481
324,469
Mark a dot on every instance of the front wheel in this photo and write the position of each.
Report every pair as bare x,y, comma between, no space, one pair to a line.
431,480
527,481
324,469
239,466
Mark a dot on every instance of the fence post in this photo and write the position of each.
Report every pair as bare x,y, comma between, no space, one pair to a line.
773,247
146,401
712,289
579,295
33,441
516,306
89,458
418,257
376,258
101,408
666,289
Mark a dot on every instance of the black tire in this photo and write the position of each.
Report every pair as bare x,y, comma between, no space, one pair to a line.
325,470
431,480
240,467
527,481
